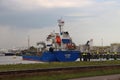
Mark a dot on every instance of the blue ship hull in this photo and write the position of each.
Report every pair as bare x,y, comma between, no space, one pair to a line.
61,56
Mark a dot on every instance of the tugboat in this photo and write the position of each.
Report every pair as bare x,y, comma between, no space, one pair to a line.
57,47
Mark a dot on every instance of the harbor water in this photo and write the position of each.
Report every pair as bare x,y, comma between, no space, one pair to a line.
15,60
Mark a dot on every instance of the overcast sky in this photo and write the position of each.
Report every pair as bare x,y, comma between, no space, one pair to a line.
84,19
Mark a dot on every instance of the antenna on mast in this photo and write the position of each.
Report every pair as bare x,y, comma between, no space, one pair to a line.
28,41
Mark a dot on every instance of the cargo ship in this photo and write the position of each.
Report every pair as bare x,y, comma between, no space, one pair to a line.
57,47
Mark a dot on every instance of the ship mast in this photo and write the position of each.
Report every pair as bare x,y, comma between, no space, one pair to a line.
61,24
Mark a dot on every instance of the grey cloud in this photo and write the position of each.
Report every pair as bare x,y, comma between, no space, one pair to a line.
36,4
35,19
